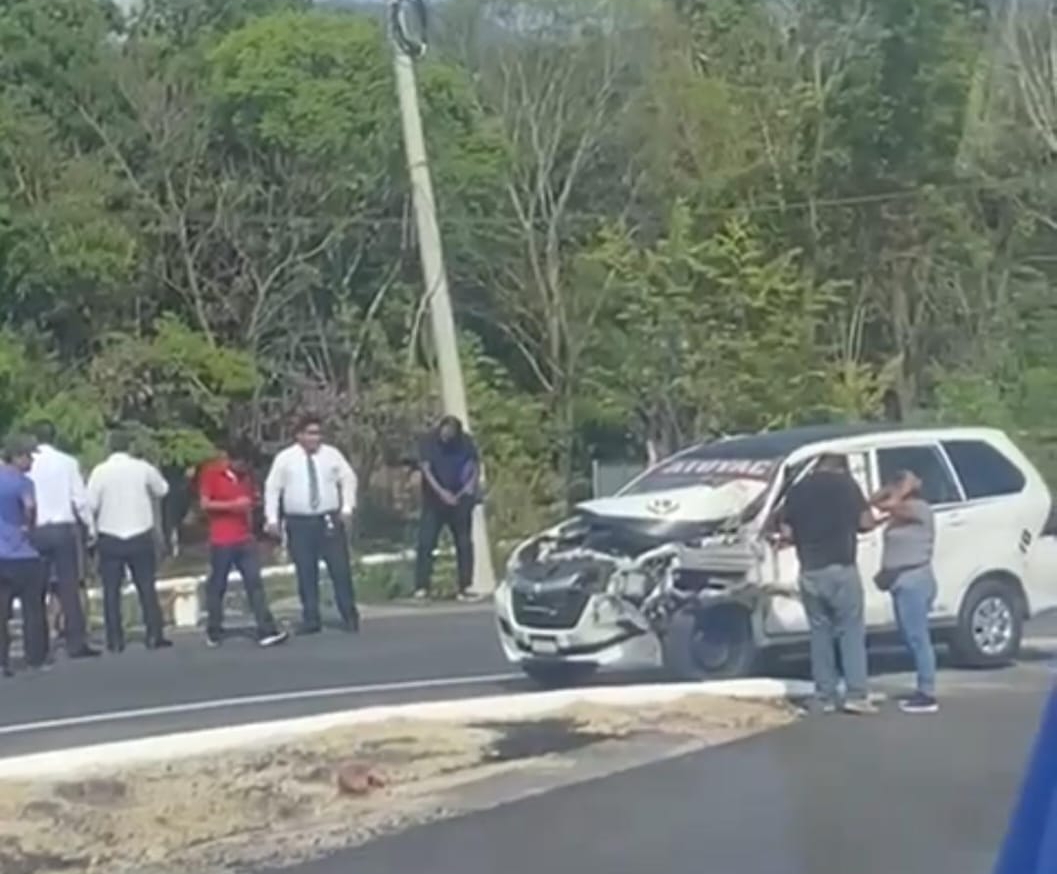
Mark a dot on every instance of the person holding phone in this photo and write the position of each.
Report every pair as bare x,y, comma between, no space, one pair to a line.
228,496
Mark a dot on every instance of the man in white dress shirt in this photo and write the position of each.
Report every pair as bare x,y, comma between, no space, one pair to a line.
62,503
122,492
313,487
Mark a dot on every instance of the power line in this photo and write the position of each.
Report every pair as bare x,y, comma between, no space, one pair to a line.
846,201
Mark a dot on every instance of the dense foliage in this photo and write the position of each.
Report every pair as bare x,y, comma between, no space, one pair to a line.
663,220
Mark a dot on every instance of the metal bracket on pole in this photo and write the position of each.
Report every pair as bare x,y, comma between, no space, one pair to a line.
452,387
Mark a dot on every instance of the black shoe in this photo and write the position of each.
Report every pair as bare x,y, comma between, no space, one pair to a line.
116,648
158,643
351,625
304,630
5,671
214,639
919,702
85,652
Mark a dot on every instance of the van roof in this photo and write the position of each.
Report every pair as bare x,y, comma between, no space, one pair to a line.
778,444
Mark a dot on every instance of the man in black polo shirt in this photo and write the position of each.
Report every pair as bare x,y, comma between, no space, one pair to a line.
823,516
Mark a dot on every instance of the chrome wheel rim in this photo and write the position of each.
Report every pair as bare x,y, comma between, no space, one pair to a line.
992,626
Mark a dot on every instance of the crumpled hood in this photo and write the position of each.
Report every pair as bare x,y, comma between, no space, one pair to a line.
698,503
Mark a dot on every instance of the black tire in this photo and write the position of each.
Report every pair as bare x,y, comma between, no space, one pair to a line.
557,674
990,625
713,644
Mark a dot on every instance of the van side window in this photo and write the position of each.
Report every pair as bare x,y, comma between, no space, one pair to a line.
937,484
984,471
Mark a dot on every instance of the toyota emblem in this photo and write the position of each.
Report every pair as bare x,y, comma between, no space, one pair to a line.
662,506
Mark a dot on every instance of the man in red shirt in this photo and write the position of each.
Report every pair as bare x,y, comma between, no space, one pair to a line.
228,496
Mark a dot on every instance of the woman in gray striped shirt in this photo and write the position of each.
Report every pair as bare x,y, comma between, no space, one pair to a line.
907,574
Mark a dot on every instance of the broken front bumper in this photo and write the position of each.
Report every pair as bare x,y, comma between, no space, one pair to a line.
572,626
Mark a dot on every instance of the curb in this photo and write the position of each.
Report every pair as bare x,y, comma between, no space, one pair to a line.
122,754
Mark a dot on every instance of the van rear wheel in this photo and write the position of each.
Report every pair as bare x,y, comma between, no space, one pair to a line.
990,625
711,644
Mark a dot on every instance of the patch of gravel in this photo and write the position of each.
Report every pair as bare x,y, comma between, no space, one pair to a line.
281,805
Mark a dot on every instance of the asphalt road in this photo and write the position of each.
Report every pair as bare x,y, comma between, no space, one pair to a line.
417,656
404,654
892,793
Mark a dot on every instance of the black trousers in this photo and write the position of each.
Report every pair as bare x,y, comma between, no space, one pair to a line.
23,578
116,554
459,520
312,539
59,550
244,557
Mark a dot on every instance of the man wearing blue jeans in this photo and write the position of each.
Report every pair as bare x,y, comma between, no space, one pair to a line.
823,516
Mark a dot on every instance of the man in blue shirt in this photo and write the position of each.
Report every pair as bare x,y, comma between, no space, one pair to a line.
450,469
20,567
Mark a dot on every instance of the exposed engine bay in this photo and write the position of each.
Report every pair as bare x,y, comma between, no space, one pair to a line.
657,570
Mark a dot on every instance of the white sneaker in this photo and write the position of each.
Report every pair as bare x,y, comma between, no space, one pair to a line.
861,708
274,639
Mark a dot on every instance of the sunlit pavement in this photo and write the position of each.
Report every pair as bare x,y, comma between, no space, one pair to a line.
875,795
925,794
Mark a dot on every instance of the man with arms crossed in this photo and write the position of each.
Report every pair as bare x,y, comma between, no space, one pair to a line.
823,516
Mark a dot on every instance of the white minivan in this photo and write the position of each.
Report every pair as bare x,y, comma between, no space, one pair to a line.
677,568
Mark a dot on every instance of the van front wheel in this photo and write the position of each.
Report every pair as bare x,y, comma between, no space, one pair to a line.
711,644
990,625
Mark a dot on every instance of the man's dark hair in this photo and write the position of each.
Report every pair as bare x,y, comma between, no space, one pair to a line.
17,446
45,431
120,440
453,421
239,449
306,421
833,461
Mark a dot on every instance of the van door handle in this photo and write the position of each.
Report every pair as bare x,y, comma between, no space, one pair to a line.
957,521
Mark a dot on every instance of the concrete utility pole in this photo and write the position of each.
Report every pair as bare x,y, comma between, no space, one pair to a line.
452,387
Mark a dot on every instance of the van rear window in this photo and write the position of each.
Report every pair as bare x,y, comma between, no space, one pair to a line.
984,471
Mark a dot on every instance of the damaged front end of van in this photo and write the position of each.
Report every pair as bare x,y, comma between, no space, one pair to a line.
668,577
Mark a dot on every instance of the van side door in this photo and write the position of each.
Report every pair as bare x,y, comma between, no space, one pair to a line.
785,612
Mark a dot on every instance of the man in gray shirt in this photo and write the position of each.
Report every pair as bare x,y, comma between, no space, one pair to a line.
906,572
